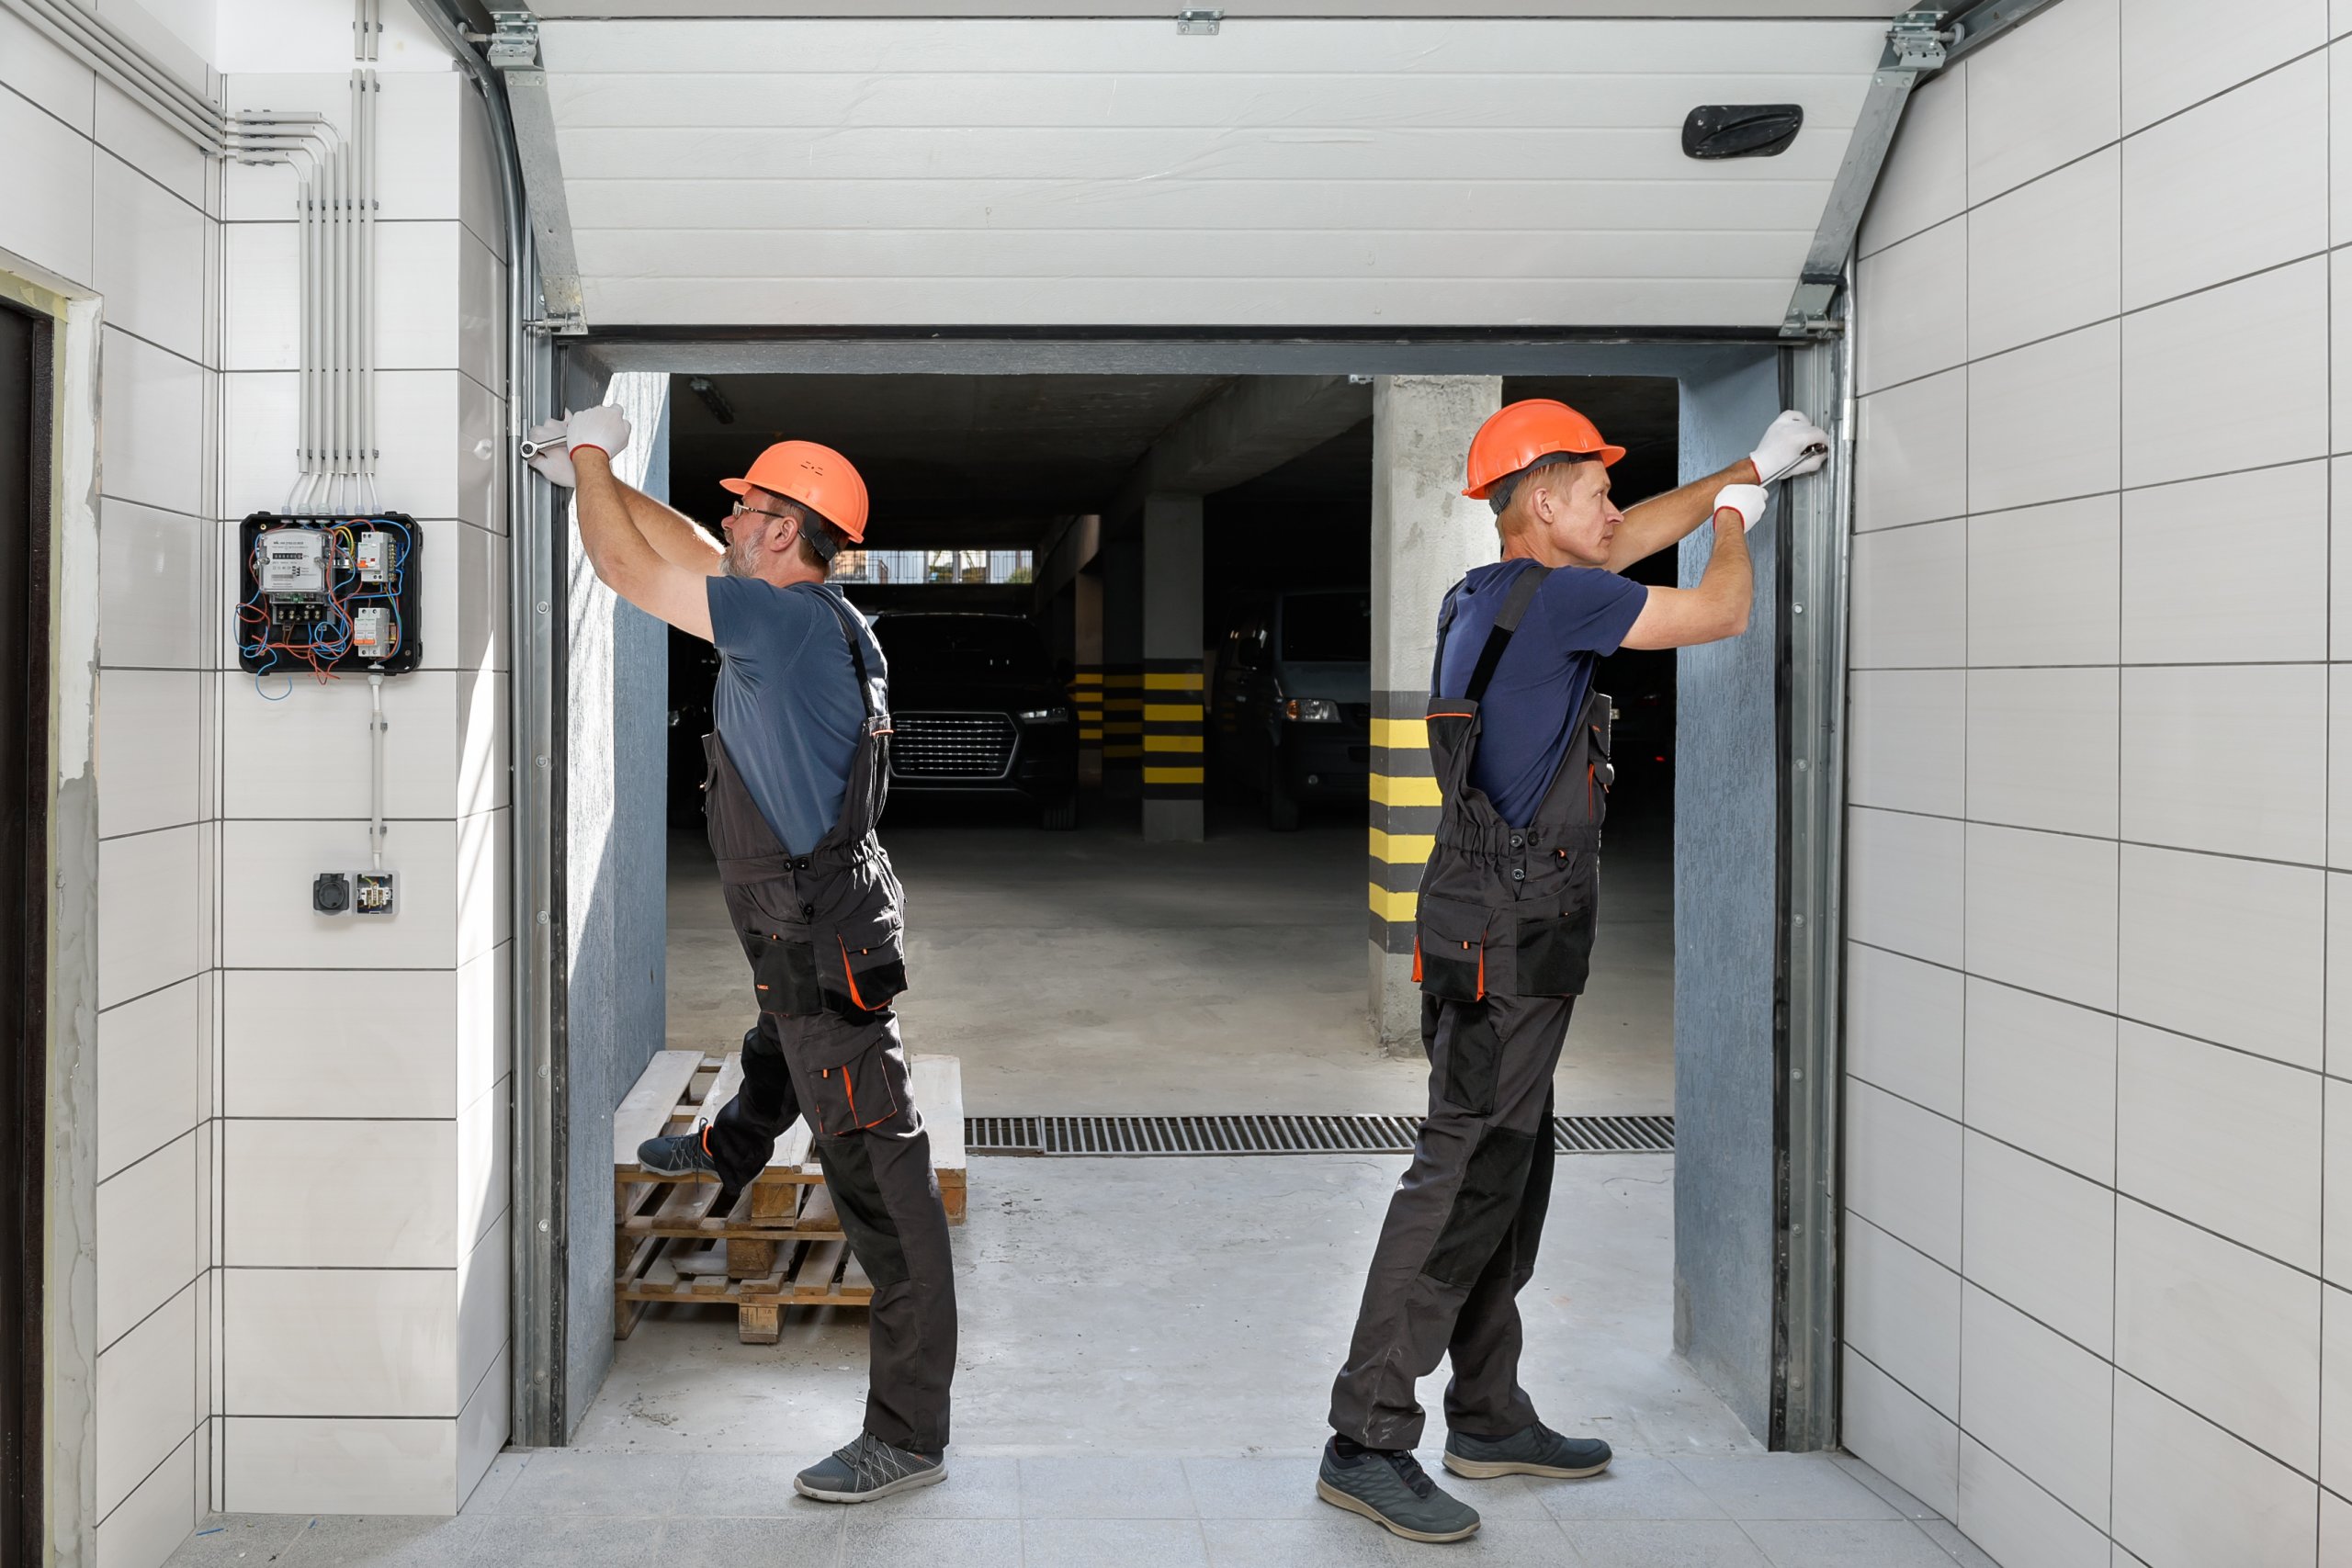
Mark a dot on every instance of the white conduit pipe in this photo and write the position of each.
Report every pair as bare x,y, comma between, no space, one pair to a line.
129,67
367,453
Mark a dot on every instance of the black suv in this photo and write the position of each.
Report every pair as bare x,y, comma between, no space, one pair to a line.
976,711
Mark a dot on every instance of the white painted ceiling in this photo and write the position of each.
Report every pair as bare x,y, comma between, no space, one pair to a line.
1345,173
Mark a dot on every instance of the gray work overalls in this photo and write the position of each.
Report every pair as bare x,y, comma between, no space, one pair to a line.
1502,945
823,932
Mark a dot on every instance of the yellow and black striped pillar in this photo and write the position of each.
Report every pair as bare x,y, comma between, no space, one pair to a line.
1404,813
1122,730
1086,705
1171,729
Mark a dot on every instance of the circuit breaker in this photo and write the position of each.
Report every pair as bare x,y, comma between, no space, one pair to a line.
328,594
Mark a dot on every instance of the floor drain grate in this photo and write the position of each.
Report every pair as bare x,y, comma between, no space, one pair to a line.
1278,1135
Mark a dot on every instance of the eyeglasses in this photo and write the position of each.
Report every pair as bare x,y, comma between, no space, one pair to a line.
742,507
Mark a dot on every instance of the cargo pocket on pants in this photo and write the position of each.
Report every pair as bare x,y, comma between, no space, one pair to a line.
786,979
1468,1053
1450,949
1554,951
863,967
857,1094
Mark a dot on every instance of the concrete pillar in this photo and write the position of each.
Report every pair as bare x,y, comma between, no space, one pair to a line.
1425,535
1173,774
1121,559
1086,679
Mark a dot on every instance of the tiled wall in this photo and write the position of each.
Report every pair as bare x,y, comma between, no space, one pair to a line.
2098,1158
301,1143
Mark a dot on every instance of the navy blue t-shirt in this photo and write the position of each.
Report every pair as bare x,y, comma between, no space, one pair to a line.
1580,613
787,703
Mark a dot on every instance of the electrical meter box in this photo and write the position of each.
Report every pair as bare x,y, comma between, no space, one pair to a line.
322,594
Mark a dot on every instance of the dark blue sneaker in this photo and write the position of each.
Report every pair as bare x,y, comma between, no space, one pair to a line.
682,1155
867,1468
1537,1450
1390,1488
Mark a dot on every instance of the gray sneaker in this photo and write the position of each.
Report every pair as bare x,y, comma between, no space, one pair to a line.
1393,1490
1537,1450
867,1468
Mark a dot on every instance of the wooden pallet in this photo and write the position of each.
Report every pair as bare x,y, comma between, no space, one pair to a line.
780,1244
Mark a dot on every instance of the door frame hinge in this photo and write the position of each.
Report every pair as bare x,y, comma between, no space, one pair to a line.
1199,21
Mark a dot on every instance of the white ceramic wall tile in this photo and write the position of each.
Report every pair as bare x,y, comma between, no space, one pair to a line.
2042,912
1903,1027
45,198
266,909
482,1163
481,742
2232,1334
485,1032
146,1397
140,138
1902,883
2042,1239
150,1054
152,403
1908,597
2253,735
2039,1400
259,437
2335,1389
150,755
340,1465
485,875
2339,756
2339,129
2032,107
338,1341
420,324
40,71
2336,1163
465,595
2222,1139
146,1243
2259,367
2335,1531
2039,1074
2173,56
2340,551
481,312
313,747
1902,1171
2226,950
2042,584
148,256
2188,1492
148,1527
154,926
1925,178
479,199
482,1425
1907,327
2235,184
290,1048
339,1194
437,432
2042,421
1903,739
481,1305
2339,975
261,296
2339,275
1910,469
1902,1312
155,603
2016,1522
2022,287
2263,598
1888,1427
2042,749
417,138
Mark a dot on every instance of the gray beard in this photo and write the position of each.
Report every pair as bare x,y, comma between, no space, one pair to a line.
736,564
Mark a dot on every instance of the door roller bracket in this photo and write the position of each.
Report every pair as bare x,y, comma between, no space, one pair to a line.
1198,21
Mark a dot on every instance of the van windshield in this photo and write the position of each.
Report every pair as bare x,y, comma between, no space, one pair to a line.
1336,627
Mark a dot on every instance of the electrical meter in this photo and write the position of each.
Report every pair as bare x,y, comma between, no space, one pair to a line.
327,594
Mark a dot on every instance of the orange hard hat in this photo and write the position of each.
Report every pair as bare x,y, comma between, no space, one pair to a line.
817,477
1519,433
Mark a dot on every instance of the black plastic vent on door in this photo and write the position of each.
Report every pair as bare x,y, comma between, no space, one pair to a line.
1741,131
1130,1135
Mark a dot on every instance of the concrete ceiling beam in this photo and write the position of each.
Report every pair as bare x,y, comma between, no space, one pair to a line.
1252,427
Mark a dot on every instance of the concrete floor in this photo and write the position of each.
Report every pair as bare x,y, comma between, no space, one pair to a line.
1091,972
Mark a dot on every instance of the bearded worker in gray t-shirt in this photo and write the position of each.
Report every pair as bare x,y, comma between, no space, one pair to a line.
797,769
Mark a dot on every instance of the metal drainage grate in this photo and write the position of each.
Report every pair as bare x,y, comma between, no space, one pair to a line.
1278,1135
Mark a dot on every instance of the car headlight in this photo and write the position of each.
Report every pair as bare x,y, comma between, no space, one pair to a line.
1311,710
1044,716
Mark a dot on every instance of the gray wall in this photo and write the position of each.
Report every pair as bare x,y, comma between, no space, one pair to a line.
616,859
1726,927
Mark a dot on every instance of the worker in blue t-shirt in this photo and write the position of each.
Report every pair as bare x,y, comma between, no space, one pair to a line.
798,759
1503,932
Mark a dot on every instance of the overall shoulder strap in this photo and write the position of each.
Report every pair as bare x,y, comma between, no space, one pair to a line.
1522,594
856,651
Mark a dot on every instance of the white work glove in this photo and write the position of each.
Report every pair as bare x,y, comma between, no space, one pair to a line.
1792,445
1748,500
604,427
554,459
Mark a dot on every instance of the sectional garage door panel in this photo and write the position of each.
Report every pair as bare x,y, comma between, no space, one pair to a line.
1294,172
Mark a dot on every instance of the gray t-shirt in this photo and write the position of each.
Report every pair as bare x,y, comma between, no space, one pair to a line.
786,703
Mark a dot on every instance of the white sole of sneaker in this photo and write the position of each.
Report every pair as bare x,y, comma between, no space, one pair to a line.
1488,1470
1339,1499
904,1484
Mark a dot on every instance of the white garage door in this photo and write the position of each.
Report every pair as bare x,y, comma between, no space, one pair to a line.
1281,173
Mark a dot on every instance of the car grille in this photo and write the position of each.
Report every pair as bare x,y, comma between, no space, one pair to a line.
951,745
